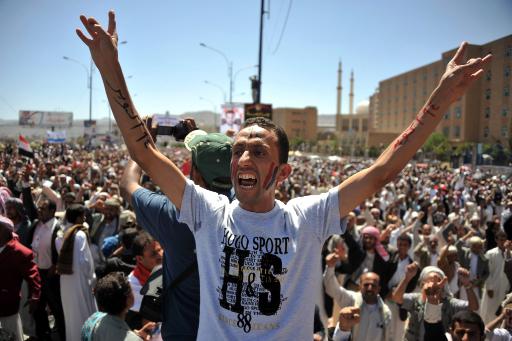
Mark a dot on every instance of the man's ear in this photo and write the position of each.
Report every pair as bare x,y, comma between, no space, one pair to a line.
197,177
284,172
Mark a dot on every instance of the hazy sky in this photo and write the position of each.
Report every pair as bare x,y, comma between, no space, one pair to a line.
168,67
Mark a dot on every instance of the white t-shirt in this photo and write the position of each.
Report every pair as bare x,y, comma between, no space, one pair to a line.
259,272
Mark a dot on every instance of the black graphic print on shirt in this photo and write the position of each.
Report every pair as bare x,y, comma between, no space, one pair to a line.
252,272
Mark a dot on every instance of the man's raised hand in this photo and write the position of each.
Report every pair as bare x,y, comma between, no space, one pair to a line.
102,44
331,259
349,317
411,270
459,75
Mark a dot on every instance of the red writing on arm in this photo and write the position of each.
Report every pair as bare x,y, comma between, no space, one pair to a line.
427,110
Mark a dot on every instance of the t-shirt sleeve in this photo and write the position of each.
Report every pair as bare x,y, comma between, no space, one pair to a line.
321,213
200,206
151,211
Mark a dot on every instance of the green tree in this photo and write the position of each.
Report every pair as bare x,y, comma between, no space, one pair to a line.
437,146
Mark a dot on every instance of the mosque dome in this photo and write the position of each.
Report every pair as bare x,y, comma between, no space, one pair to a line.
363,107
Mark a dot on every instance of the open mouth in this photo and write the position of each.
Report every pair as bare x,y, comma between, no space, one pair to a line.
247,181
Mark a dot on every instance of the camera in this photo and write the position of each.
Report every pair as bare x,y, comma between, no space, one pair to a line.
179,131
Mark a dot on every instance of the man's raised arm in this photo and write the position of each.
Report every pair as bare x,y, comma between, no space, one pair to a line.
459,75
103,47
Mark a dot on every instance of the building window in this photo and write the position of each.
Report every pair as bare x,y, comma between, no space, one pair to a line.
507,71
446,131
504,132
506,91
486,132
508,51
487,112
488,75
504,112
488,94
456,132
458,112
447,115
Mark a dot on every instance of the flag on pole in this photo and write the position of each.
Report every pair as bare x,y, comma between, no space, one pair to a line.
24,147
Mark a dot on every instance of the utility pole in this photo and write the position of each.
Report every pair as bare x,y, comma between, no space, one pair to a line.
258,95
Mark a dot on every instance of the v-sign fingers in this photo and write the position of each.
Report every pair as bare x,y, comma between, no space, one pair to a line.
111,23
87,25
459,55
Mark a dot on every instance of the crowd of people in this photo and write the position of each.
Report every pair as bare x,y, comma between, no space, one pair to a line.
243,244
67,210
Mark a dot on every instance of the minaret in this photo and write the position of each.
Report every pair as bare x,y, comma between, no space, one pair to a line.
339,88
351,95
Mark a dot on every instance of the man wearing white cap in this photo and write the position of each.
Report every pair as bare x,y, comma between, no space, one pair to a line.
16,264
433,301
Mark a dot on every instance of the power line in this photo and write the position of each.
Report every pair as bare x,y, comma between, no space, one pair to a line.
284,26
275,27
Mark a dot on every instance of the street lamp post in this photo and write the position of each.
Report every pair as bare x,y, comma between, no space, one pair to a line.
229,64
89,75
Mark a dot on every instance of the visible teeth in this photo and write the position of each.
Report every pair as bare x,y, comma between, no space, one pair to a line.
247,177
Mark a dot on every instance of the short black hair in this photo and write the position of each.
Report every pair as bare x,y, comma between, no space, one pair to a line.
469,317
282,139
75,211
140,242
52,206
405,237
500,234
112,292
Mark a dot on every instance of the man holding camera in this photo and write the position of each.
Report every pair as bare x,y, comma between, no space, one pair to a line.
257,256
158,216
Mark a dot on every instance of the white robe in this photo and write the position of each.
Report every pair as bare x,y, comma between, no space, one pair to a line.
497,282
76,289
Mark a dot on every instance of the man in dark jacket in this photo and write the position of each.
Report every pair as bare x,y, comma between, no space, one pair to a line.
368,257
16,265
44,230
157,215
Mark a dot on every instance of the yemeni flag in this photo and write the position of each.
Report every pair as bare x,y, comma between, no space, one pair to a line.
24,147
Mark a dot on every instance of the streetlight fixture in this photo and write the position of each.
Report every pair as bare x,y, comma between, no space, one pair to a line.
229,64
242,69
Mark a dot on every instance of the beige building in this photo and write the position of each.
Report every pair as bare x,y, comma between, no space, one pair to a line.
353,128
299,123
483,114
